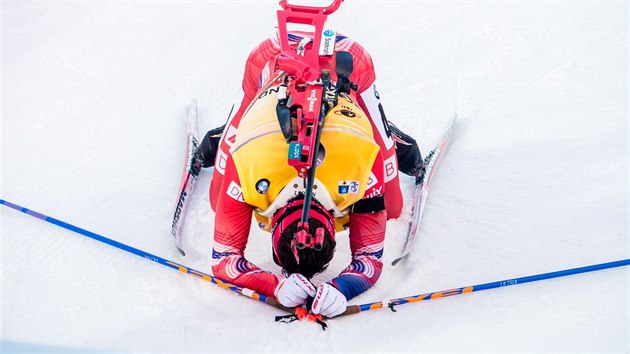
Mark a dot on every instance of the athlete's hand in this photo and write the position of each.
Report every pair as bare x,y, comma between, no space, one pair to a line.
329,301
294,290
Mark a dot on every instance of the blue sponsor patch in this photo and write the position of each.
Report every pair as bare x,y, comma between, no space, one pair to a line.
348,187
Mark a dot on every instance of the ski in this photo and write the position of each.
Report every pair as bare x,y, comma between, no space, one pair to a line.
421,191
192,167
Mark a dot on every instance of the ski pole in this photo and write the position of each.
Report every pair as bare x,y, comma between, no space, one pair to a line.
195,273
352,309
469,289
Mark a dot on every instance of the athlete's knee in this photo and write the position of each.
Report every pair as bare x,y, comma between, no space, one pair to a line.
215,189
393,199
393,211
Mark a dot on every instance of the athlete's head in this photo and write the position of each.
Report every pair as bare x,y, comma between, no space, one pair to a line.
306,250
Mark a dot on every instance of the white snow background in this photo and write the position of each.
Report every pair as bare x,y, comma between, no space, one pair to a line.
94,107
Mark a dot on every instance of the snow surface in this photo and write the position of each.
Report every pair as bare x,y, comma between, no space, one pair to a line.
94,103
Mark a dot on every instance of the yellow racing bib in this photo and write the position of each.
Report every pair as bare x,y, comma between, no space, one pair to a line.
260,154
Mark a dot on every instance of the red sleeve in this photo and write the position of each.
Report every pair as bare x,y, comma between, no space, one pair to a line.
231,231
255,68
233,216
376,182
368,99
367,236
363,74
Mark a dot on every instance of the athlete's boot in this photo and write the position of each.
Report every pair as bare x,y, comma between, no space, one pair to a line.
410,160
208,147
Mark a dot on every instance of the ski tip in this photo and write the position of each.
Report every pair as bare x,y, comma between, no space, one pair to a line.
192,118
193,107
192,110
453,122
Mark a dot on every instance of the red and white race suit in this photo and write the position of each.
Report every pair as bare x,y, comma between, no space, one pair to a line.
234,214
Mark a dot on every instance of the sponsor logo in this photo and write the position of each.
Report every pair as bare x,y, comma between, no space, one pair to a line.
374,193
230,135
264,76
440,294
262,186
391,168
301,193
270,91
307,284
348,187
330,96
318,297
429,167
192,151
197,274
295,151
378,97
235,192
372,181
178,210
509,282
312,99
346,112
221,162
354,187
327,44
152,258
321,155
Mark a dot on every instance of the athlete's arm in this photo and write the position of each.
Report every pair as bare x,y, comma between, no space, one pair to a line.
231,231
368,221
